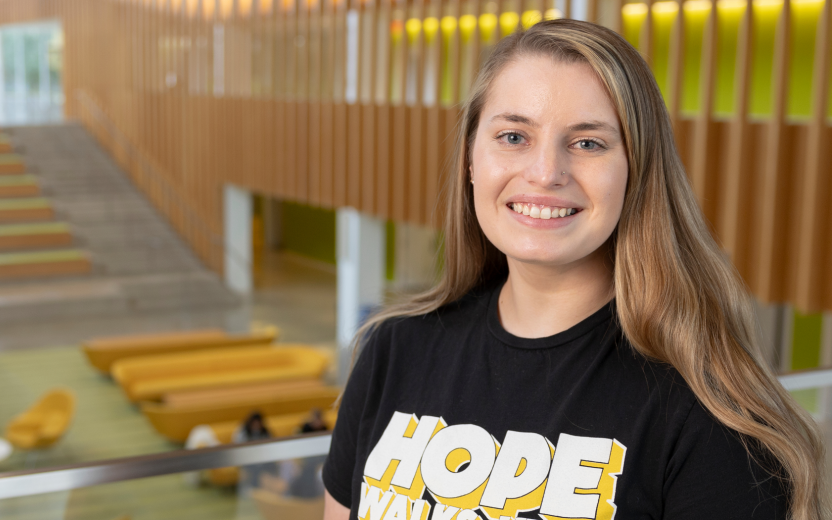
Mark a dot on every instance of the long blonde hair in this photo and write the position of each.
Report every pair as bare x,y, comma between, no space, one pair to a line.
678,298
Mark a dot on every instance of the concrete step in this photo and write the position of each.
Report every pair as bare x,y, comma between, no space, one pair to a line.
12,186
34,236
11,164
26,210
100,296
37,264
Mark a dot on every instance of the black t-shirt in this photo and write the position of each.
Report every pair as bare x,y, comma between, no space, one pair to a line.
449,417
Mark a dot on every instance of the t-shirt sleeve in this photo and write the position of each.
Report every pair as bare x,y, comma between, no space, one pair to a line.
710,475
340,463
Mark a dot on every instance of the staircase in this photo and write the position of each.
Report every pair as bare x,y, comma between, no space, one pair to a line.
77,239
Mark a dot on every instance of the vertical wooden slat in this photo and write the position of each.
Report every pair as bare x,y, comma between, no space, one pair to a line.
647,34
314,101
382,109
327,100
731,201
766,287
676,68
416,115
703,125
339,137
367,86
814,215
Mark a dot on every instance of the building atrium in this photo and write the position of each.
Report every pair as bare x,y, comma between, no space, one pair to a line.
202,201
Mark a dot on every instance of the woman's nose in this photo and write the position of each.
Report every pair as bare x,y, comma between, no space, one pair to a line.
546,167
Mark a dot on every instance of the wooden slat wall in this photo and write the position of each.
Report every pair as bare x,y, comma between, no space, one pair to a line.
282,113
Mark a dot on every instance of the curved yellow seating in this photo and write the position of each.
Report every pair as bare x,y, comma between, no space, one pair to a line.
151,377
103,352
44,423
278,425
176,421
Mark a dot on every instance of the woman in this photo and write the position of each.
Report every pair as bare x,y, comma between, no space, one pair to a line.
589,352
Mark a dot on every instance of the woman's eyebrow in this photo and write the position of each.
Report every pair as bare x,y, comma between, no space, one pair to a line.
515,118
592,125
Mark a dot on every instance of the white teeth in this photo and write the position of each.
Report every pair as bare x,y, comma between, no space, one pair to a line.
542,212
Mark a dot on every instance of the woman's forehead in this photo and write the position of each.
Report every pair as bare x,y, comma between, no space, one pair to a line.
540,88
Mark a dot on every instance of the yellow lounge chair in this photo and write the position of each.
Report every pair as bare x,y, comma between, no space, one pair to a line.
44,423
151,377
103,352
176,421
275,507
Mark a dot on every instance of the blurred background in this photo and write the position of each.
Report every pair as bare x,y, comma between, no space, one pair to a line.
201,200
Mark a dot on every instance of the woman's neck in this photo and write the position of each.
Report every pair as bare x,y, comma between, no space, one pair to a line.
539,301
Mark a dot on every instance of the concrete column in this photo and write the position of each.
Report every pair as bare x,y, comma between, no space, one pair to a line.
237,207
825,393
361,270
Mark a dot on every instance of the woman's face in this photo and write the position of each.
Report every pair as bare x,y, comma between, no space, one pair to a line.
543,117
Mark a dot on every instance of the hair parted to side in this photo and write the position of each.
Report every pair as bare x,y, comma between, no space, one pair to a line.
678,299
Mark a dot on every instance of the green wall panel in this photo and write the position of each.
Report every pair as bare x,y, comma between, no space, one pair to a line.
309,231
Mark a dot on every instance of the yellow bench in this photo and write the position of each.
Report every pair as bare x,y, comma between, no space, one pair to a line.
19,186
32,264
151,377
103,352
44,423
176,421
31,236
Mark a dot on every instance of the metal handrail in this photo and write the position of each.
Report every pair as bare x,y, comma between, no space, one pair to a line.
804,379
54,479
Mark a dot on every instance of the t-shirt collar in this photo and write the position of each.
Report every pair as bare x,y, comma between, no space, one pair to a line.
561,338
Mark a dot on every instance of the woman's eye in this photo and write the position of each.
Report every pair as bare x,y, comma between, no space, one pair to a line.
512,138
587,144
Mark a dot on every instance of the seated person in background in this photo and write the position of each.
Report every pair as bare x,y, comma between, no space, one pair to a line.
315,424
253,429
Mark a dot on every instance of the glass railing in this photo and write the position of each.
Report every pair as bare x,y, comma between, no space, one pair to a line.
257,480
264,480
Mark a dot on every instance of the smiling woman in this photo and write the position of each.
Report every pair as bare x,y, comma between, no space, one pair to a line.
589,351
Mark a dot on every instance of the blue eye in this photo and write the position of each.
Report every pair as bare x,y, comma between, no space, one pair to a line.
587,144
512,138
